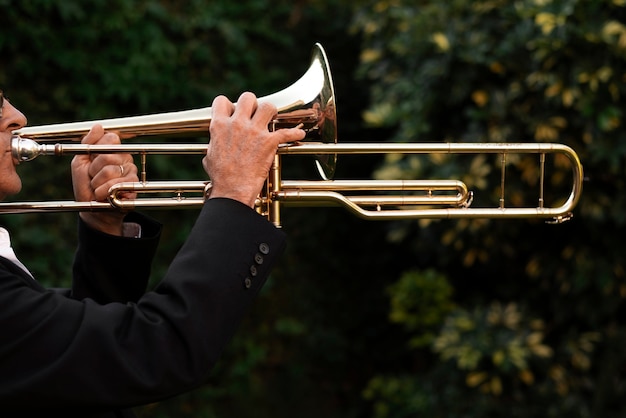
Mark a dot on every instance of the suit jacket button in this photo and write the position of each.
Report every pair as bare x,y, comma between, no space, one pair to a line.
247,283
264,248
253,271
258,258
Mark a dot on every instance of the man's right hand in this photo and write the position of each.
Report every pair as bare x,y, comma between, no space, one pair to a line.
241,149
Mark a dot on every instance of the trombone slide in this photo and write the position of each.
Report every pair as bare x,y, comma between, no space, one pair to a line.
416,199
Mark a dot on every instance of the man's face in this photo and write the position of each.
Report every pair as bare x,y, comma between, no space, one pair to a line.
10,120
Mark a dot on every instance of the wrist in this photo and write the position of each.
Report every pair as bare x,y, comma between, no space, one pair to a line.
105,223
244,196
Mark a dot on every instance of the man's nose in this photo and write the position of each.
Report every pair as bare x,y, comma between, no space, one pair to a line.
12,119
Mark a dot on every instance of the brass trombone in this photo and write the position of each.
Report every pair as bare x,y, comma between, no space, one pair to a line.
310,104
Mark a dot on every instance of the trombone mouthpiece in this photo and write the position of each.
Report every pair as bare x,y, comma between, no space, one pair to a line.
24,149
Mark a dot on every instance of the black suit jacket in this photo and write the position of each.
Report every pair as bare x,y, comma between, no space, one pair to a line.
105,345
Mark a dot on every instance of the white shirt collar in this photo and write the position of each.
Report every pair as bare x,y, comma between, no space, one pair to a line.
5,238
6,250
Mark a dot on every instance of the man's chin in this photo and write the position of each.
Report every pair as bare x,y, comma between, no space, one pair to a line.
11,191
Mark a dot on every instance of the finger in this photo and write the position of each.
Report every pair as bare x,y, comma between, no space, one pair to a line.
264,114
222,107
109,138
97,136
95,133
285,136
103,161
246,105
126,170
93,136
111,175
115,173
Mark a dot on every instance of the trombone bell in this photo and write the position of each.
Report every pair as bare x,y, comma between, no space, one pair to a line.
308,103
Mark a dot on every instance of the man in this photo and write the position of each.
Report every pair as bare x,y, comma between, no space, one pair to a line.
105,346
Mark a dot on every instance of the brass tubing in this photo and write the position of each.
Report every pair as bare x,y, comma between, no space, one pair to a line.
330,192
542,174
298,188
179,190
25,149
558,214
434,191
52,206
502,177
273,184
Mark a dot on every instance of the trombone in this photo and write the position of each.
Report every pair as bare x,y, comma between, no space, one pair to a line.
308,103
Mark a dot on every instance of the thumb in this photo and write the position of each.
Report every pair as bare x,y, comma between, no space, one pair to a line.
93,136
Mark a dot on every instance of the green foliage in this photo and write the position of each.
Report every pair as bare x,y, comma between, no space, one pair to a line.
397,397
147,56
420,301
494,361
410,318
524,71
495,345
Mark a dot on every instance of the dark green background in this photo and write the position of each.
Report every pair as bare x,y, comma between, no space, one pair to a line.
454,318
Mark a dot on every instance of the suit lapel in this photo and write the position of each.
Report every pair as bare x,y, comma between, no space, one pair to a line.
18,271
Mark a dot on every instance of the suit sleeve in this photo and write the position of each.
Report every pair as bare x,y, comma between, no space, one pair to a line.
114,269
81,354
